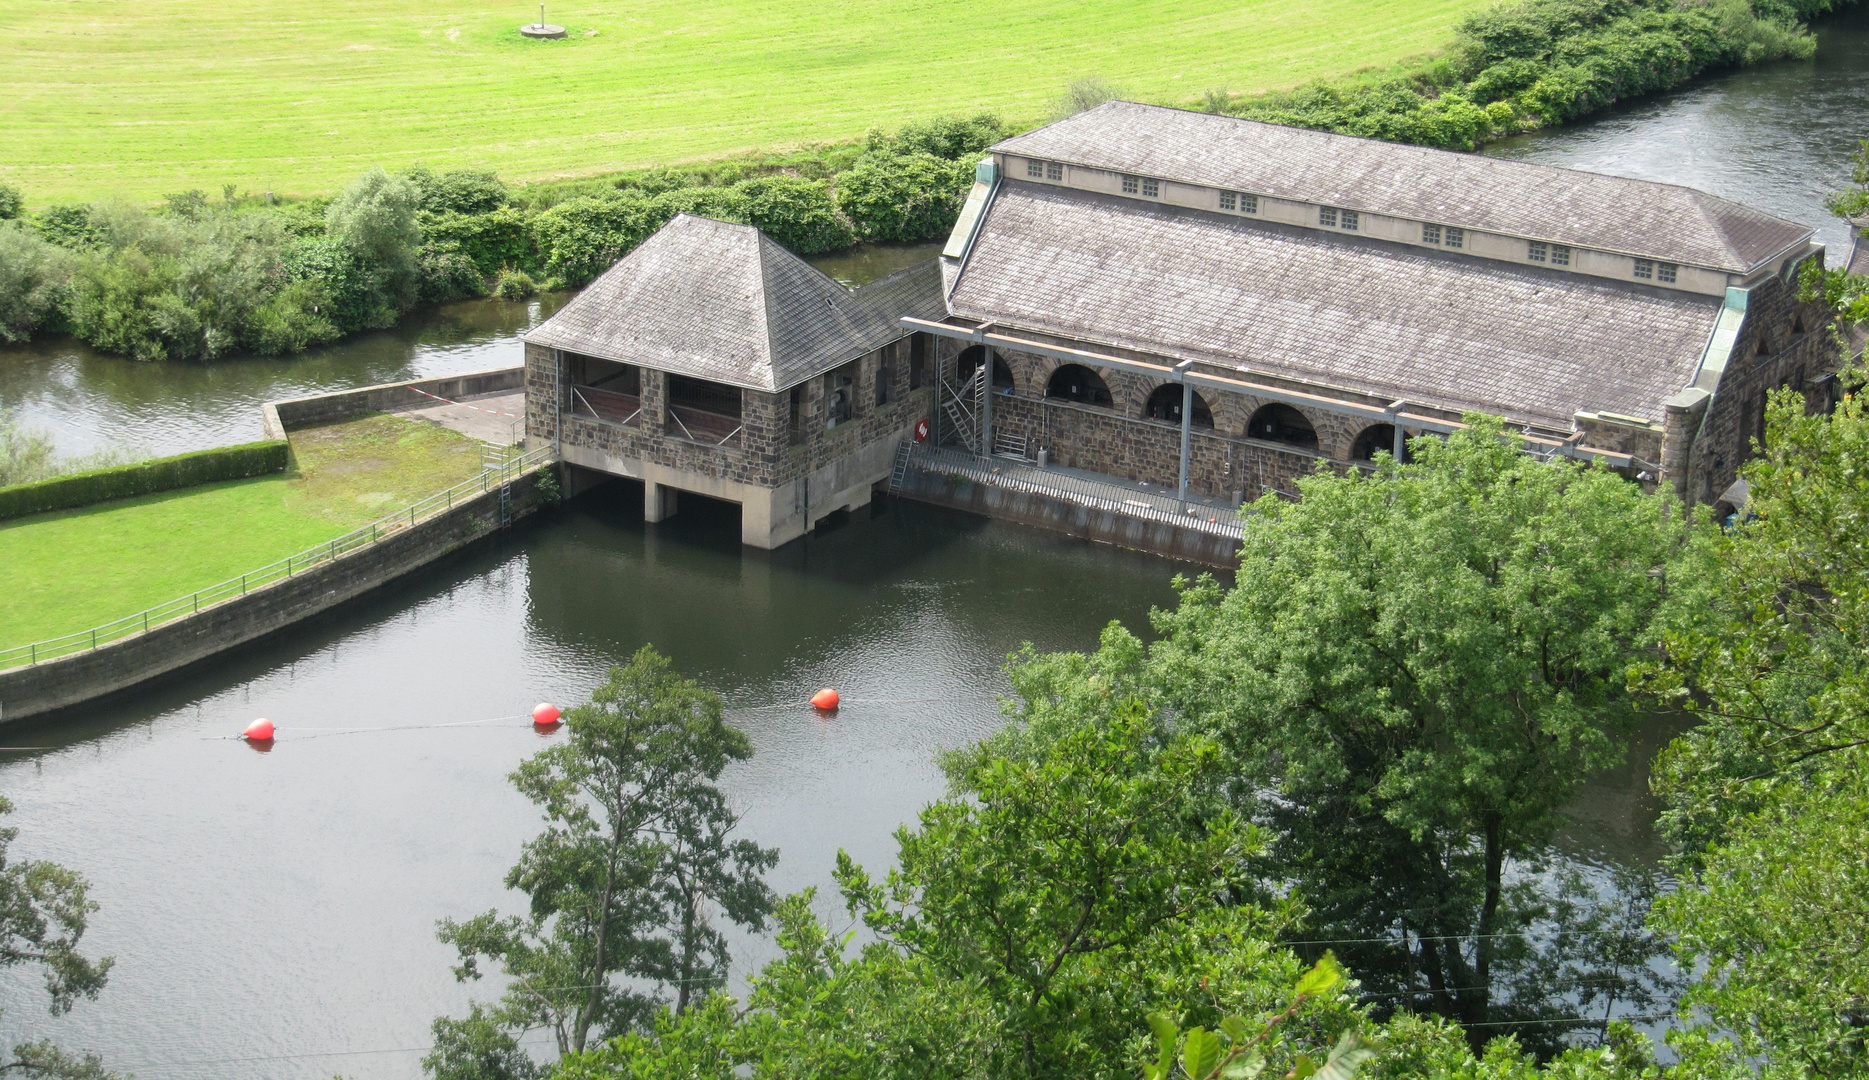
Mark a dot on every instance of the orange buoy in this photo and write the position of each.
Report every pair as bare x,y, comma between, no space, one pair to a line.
825,699
545,714
260,730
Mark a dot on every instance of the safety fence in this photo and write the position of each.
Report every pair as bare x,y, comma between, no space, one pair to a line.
493,477
1077,488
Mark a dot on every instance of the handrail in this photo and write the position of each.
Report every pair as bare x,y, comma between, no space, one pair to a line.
142,621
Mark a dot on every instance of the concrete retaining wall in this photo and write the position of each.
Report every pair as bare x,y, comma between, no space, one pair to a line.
294,413
70,680
1045,512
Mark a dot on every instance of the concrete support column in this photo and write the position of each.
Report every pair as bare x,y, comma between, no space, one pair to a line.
654,400
658,501
1681,419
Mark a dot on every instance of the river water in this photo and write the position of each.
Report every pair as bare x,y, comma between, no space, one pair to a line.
272,915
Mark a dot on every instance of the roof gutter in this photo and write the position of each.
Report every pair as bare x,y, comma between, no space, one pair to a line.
1179,373
986,177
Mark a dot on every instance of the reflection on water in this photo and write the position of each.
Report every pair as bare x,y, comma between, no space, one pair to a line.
865,263
89,400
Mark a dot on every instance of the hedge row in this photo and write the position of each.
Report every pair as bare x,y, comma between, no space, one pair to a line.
144,478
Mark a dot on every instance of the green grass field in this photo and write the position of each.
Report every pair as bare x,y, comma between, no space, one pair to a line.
74,569
139,98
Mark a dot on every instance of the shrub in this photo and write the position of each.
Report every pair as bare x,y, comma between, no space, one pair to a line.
35,280
1083,95
514,285
580,238
950,137
293,319
144,477
355,301
68,226
796,212
443,273
462,191
492,240
12,204
909,197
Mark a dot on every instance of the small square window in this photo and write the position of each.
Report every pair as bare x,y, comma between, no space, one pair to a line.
1430,234
1054,171
1229,201
1327,217
1350,220
1560,255
1536,251
1130,185
1667,271
1249,204
1456,237
1035,169
1151,189
1644,270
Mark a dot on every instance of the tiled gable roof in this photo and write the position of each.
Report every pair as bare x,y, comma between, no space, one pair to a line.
724,302
1347,311
1542,202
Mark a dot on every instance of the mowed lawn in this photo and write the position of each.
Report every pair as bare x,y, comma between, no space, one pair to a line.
75,569
139,98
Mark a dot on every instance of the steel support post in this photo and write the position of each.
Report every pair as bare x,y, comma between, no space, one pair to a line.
1187,432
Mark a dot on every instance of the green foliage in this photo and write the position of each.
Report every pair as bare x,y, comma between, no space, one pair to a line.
1083,94
376,218
1775,915
1415,671
1847,294
904,197
476,1048
12,203
142,477
636,852
582,237
26,454
1529,63
444,273
494,240
44,911
1235,1051
464,192
35,278
951,138
68,226
514,285
796,212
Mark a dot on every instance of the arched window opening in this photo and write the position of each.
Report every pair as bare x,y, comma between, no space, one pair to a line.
1282,423
1075,382
1375,439
1165,405
970,363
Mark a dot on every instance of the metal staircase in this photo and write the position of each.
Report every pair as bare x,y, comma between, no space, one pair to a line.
963,406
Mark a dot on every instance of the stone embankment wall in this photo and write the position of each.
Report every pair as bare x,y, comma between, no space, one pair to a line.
1074,519
293,413
70,680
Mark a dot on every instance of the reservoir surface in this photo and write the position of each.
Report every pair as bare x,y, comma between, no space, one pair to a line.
273,914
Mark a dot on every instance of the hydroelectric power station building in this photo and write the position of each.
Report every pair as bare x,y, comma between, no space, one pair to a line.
1185,303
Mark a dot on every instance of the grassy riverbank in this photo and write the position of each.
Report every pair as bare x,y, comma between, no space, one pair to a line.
78,568
136,99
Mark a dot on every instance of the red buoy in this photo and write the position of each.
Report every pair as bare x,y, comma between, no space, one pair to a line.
545,714
260,730
825,699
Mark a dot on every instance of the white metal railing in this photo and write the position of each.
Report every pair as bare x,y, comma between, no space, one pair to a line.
184,606
1113,496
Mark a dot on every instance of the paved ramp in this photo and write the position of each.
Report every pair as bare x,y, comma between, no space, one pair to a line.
494,418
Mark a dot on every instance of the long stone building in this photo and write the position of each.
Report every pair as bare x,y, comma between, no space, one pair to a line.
1201,302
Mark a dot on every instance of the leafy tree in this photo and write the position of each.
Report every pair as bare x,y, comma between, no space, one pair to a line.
1415,671
458,191
375,217
35,280
12,203
44,909
1072,862
796,212
635,851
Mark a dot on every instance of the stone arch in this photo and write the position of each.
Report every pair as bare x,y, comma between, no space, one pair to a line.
969,362
1374,439
1278,422
1075,382
1165,405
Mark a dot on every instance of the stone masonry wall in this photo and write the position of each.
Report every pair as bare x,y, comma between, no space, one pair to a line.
770,452
1798,350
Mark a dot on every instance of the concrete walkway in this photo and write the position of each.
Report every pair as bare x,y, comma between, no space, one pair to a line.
1149,502
494,418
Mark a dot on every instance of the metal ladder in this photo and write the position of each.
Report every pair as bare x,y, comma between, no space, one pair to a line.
901,471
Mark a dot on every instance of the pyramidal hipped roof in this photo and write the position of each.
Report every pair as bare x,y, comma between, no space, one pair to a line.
1488,194
724,302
